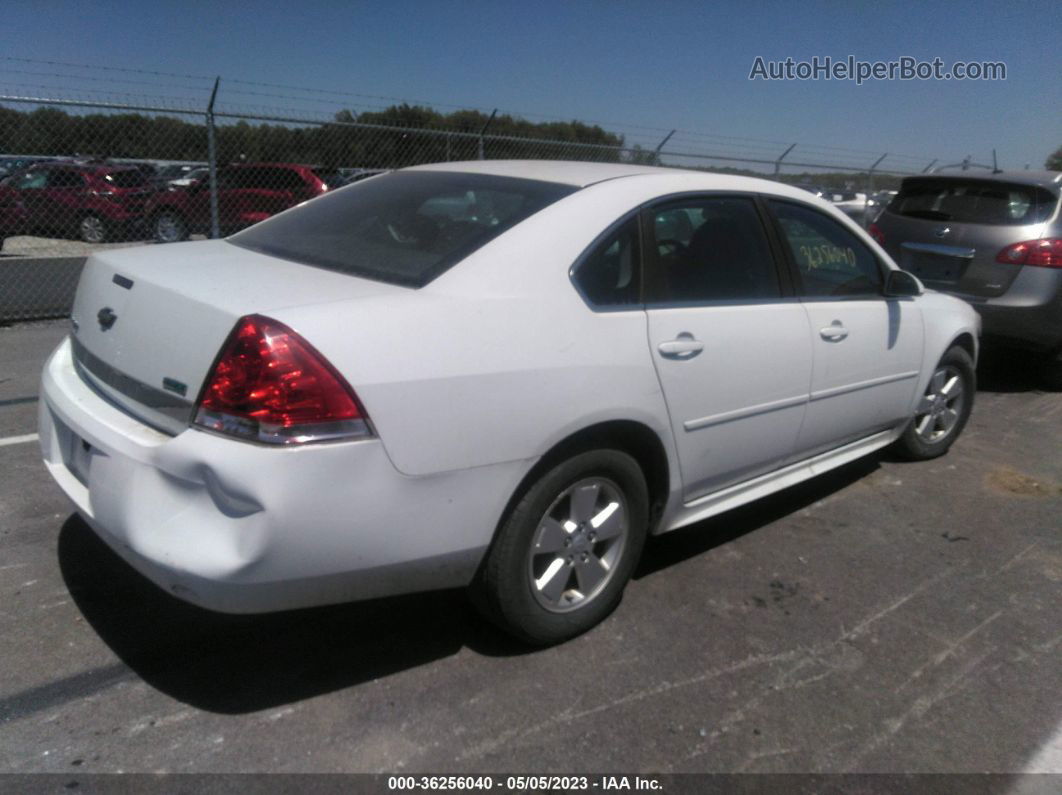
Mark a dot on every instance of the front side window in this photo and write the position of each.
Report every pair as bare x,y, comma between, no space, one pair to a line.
609,275
830,260
709,249
403,228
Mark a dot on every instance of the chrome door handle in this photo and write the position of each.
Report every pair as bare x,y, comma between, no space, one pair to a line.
834,332
684,347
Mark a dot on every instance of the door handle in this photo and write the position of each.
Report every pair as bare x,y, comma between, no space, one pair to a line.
834,332
683,347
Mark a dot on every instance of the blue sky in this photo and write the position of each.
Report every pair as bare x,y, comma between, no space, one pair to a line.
661,65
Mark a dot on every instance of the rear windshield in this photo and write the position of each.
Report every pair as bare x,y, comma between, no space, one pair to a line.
403,228
973,201
126,179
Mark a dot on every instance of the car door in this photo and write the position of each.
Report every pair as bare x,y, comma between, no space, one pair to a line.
867,348
730,342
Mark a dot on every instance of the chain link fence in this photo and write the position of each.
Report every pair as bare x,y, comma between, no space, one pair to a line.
77,176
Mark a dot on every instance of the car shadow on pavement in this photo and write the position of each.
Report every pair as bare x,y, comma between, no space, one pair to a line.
237,664
696,539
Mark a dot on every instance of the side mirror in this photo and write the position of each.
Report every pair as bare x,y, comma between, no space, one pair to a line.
901,284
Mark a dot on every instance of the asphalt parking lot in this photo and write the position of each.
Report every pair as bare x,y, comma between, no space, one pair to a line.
887,617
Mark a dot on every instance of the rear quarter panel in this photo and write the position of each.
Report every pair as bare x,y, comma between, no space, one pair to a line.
498,359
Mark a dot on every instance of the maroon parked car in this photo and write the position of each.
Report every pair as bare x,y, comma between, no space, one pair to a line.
94,202
247,193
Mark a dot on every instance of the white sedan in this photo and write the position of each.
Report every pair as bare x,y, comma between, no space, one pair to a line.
497,374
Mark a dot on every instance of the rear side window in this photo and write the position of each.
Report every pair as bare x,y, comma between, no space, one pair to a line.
830,260
403,228
708,249
64,178
609,275
973,201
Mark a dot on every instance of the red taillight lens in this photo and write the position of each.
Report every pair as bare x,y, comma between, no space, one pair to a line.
1045,253
270,385
877,234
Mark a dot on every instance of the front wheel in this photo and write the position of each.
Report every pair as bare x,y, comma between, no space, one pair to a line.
565,552
943,410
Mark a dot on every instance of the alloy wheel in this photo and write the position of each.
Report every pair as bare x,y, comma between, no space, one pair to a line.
941,407
578,544
169,228
92,229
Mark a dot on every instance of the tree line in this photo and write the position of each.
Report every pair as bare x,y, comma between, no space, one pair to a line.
426,136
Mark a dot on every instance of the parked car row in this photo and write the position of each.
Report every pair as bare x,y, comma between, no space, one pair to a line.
859,206
102,201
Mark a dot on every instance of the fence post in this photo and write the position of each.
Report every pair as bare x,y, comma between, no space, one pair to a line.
215,223
482,130
778,162
448,137
660,146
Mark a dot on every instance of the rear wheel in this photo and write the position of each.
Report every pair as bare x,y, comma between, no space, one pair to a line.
943,410
92,229
170,227
565,552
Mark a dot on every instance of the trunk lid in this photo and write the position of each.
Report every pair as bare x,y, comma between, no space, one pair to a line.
150,321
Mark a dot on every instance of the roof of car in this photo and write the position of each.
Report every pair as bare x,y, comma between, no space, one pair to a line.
568,172
580,174
1042,178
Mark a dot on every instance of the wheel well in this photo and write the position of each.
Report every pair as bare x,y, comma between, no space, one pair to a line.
633,438
966,342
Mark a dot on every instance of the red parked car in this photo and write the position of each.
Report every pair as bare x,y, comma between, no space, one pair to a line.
95,202
247,193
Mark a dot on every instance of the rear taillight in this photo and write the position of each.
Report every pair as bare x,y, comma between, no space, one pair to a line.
1045,253
877,234
270,385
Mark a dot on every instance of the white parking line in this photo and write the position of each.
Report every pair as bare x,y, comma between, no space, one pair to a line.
29,437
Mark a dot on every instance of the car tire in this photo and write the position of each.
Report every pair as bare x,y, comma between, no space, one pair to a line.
92,229
169,227
565,551
943,409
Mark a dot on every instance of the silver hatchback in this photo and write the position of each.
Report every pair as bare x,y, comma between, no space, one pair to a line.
994,240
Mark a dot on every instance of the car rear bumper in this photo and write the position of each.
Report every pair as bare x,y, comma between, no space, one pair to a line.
244,528
1028,314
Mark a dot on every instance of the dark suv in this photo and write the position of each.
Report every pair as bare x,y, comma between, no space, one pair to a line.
247,193
95,202
994,240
